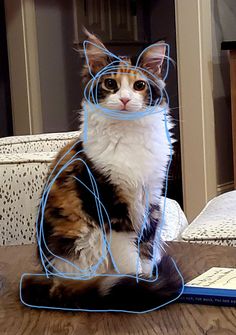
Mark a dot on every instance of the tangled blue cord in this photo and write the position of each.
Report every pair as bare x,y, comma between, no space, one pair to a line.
91,97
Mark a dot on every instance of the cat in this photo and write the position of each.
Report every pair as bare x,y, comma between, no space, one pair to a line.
127,158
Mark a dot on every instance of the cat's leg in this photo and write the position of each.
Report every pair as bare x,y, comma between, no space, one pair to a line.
151,244
150,258
88,256
124,251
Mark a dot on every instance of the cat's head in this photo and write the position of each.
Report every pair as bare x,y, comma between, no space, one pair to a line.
123,83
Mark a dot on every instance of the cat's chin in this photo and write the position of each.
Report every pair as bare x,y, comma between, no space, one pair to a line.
104,108
125,110
121,109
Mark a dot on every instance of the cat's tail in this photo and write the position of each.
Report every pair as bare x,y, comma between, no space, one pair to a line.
106,293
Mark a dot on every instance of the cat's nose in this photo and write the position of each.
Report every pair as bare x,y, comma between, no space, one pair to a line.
124,100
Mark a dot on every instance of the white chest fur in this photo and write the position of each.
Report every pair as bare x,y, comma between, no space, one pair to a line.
134,153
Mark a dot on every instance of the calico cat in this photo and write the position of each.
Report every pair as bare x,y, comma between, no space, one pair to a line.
126,158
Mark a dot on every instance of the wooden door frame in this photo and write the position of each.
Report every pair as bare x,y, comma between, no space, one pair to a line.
23,66
197,125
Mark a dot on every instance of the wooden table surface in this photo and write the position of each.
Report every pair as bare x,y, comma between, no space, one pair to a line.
175,319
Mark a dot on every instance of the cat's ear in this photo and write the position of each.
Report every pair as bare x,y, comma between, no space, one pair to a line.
152,57
96,54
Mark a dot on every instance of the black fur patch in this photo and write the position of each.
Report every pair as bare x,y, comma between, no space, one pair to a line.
35,291
116,209
150,230
149,233
153,95
129,295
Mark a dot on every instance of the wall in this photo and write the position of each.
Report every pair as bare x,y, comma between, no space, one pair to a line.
5,96
223,28
58,65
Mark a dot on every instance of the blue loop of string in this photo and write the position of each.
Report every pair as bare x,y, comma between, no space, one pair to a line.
91,97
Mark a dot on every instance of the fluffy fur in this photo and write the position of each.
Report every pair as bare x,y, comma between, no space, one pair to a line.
127,159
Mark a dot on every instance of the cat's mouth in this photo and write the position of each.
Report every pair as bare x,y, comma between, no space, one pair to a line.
125,108
121,107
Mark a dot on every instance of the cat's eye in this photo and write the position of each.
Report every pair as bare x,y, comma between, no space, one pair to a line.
139,85
110,84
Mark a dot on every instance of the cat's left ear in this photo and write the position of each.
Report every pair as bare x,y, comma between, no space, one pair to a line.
96,54
152,58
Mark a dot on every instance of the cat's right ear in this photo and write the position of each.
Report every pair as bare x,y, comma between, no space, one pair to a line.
96,54
152,58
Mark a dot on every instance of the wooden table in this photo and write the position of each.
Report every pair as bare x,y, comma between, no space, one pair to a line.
175,319
231,46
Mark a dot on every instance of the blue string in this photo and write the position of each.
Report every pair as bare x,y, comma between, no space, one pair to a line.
92,100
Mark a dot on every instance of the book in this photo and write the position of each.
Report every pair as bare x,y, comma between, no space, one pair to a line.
217,286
